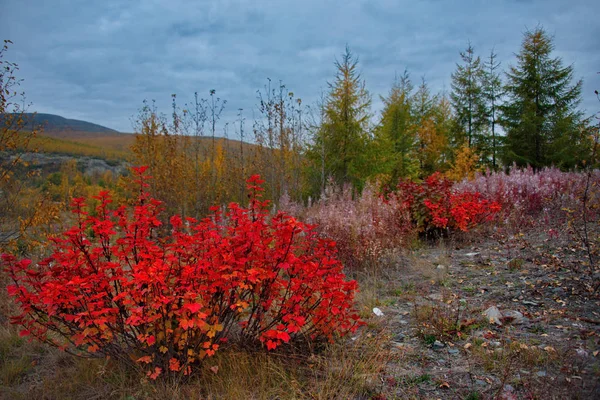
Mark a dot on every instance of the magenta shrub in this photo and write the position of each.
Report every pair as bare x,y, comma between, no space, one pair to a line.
547,198
364,227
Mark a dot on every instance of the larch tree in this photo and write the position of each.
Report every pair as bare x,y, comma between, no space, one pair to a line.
423,107
434,134
492,93
540,116
467,97
344,133
396,133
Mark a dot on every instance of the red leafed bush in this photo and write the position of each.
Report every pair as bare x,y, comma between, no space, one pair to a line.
112,287
434,205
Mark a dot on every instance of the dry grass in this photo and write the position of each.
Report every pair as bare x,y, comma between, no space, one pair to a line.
345,370
447,320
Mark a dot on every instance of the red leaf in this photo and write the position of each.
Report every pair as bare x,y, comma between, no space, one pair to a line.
174,364
13,290
271,345
193,307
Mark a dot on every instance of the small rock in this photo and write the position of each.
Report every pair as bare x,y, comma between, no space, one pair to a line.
438,345
377,312
453,351
403,322
514,317
493,315
441,267
495,344
435,296
399,337
530,303
541,374
581,353
508,393
480,382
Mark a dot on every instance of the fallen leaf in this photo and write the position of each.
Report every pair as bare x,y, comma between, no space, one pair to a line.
214,369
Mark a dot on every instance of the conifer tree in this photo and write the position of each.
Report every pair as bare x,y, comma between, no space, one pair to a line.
492,93
396,132
467,97
540,116
343,135
423,107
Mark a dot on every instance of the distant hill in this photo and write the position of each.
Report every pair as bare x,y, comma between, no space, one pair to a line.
55,123
71,137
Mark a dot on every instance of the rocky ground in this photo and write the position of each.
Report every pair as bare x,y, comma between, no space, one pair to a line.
507,318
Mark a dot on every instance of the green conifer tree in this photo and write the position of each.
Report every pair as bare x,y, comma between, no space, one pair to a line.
343,136
396,133
542,123
492,93
467,98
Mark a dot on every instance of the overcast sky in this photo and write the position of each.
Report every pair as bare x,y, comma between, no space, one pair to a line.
98,60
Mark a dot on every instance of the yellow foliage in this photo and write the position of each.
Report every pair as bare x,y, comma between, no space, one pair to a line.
433,144
465,164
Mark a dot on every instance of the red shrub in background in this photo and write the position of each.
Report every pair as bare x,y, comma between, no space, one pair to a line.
112,287
368,225
434,205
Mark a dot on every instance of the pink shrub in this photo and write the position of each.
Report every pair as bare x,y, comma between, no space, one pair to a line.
364,227
535,199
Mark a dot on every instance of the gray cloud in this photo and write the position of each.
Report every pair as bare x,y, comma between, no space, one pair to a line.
98,60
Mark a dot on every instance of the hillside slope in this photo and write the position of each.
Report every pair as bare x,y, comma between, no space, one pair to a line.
56,123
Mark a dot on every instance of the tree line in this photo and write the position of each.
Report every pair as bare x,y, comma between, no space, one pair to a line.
526,115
